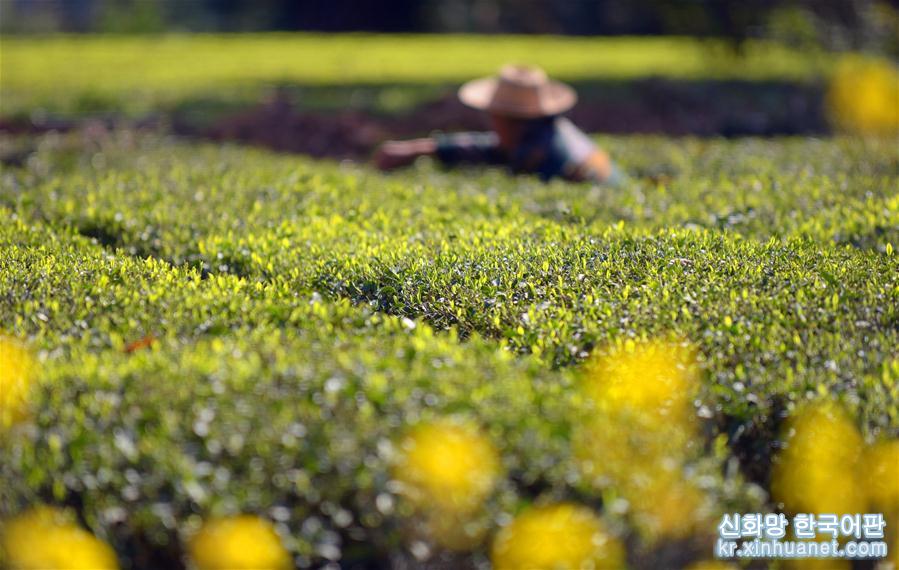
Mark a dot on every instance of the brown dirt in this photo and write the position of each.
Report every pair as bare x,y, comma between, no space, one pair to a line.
344,135
647,106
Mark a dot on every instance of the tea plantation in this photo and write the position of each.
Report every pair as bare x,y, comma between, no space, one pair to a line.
222,330
215,356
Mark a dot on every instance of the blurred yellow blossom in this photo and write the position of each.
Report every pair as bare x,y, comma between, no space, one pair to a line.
243,542
46,539
642,412
17,372
818,470
553,537
654,378
880,468
642,432
863,96
447,465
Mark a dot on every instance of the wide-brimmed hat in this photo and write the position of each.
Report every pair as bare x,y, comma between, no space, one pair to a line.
522,91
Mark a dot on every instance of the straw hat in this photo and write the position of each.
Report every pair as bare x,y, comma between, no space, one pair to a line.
522,91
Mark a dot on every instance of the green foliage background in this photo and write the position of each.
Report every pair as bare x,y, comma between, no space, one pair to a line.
141,74
306,312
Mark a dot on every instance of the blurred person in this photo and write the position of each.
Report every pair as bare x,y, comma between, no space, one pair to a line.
529,134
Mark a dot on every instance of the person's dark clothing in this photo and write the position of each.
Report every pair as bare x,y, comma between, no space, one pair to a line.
550,147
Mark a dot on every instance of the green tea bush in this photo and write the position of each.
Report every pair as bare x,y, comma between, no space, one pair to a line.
223,330
140,74
300,430
251,400
133,193
774,301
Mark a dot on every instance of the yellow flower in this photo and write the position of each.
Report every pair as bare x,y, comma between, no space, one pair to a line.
641,433
653,378
818,471
556,537
447,465
17,371
863,96
880,467
46,539
243,542
642,415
